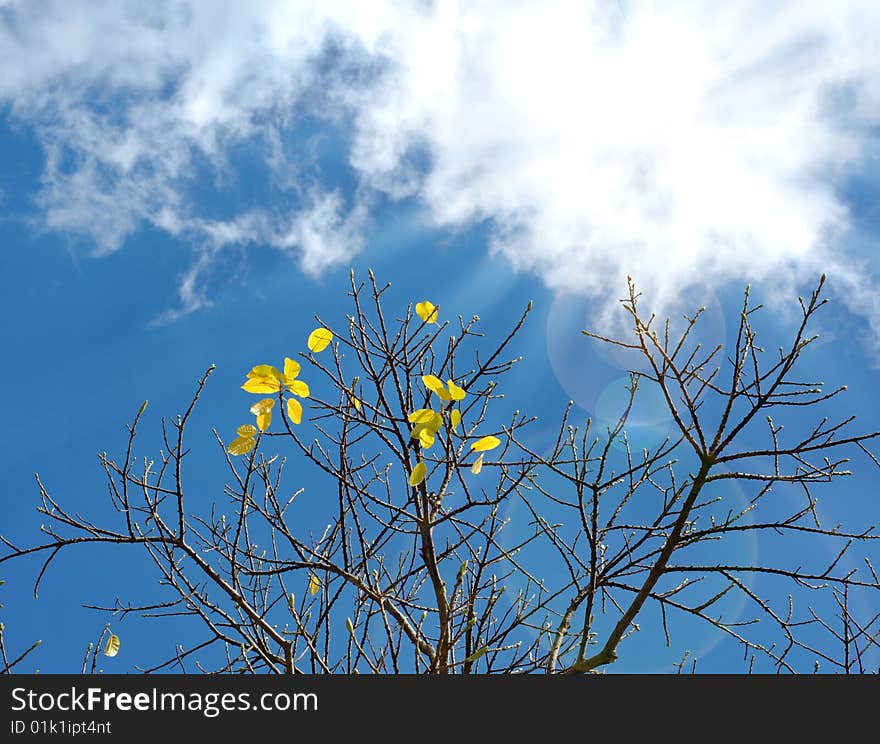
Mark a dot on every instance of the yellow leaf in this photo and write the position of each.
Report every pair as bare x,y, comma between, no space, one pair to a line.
247,430
357,403
298,387
455,392
421,416
418,474
319,339
426,437
314,584
264,370
262,385
427,311
436,385
294,410
261,406
241,445
111,648
477,466
291,368
485,444
455,418
436,423
263,420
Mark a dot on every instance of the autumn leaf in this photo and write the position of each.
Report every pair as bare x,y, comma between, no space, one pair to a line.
427,311
264,378
245,442
111,648
262,409
435,385
319,339
455,418
294,410
477,466
298,387
314,584
484,444
262,384
425,436
264,370
455,392
241,445
291,369
247,430
354,399
418,474
427,424
421,416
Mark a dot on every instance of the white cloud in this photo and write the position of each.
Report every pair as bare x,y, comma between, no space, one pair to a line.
683,143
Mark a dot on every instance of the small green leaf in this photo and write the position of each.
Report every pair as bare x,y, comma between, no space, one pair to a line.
349,625
478,654
143,408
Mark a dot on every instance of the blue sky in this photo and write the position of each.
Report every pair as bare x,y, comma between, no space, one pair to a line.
187,188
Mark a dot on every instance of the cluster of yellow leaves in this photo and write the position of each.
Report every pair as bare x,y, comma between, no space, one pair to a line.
436,386
483,445
428,423
266,379
245,441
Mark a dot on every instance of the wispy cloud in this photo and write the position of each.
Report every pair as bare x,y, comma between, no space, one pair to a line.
685,143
